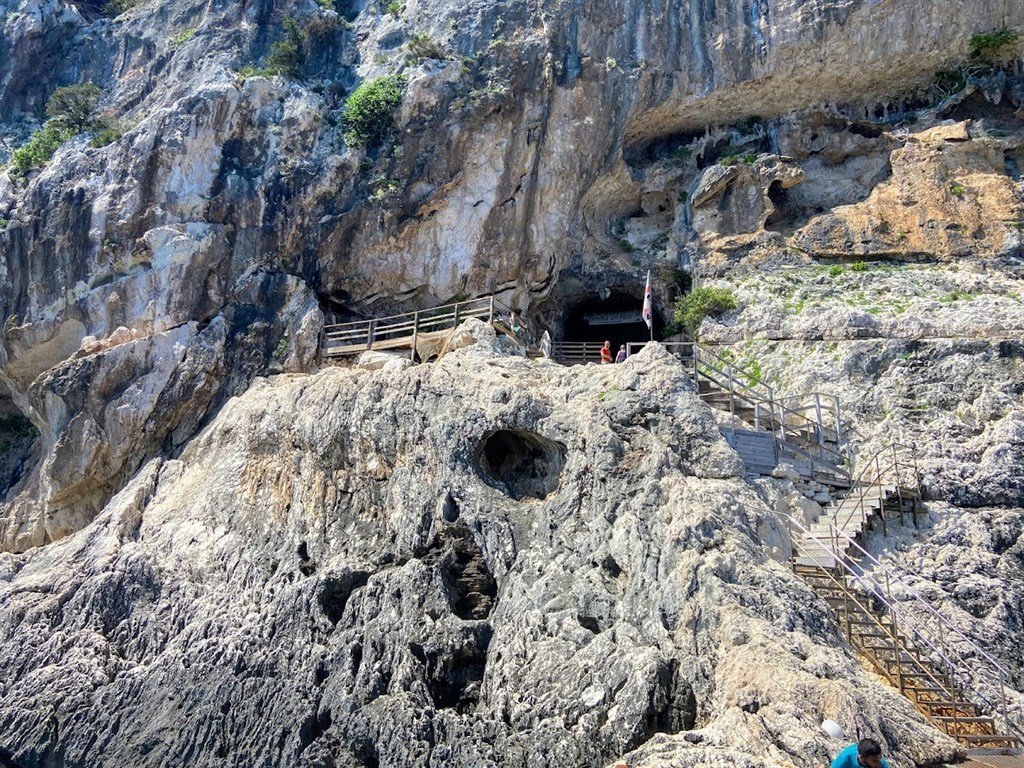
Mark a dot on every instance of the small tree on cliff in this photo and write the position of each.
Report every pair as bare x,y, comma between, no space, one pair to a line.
72,110
692,308
74,106
369,110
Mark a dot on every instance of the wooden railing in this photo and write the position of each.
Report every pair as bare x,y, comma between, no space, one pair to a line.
404,330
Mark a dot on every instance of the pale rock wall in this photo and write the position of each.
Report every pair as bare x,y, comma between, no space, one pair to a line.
327,576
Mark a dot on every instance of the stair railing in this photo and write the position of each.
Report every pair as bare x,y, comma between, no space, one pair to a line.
954,661
850,596
887,466
941,629
788,424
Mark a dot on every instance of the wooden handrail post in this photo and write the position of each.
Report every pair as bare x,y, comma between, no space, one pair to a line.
457,315
490,312
839,434
415,333
371,334
821,425
878,479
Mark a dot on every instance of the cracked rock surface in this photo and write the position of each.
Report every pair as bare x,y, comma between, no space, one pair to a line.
327,577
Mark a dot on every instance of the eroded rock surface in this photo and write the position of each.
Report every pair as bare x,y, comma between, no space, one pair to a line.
326,576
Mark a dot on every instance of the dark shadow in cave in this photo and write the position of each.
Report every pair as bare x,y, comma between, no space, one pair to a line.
616,319
521,463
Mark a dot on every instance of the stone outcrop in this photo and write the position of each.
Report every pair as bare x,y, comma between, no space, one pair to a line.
537,151
326,576
487,560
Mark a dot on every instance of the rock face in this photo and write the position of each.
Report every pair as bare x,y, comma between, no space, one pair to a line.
564,566
923,355
490,560
233,207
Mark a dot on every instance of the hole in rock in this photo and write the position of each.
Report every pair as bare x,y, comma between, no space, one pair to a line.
609,566
455,673
450,509
336,590
589,623
521,462
17,437
673,703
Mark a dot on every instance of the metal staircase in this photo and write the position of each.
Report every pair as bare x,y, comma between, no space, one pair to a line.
958,686
765,429
876,633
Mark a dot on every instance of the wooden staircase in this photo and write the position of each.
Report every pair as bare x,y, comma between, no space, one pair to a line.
918,650
878,638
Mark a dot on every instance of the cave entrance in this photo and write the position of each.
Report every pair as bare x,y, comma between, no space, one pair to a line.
17,438
616,319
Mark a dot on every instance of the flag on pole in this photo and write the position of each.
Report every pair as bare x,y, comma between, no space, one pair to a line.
648,310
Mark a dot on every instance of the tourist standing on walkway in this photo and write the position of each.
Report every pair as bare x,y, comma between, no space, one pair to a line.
606,353
621,356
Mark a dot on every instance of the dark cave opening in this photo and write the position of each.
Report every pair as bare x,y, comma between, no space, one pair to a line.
17,439
521,463
616,319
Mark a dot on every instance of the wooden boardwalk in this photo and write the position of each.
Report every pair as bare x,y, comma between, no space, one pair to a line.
424,333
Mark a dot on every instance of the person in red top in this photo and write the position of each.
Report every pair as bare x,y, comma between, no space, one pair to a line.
606,352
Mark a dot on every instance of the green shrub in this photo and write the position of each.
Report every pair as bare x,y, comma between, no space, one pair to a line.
106,135
73,106
835,270
286,55
369,110
680,155
423,46
3,224
183,37
751,124
691,309
327,5
40,148
958,190
749,158
727,160
395,8
859,266
986,46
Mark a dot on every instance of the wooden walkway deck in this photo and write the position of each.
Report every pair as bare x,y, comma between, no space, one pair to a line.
424,332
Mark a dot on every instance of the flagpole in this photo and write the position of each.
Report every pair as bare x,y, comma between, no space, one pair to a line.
647,313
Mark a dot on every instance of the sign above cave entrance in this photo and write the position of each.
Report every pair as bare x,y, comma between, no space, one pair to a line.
612,318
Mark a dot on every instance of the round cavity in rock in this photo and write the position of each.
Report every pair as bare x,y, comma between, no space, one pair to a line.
521,463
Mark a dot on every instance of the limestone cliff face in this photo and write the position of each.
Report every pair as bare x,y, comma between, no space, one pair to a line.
329,568
537,148
564,566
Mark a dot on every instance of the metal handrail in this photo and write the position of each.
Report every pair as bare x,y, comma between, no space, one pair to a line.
892,575
743,386
853,596
882,474
883,592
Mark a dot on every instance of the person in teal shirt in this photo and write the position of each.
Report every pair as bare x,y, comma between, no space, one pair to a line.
866,753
